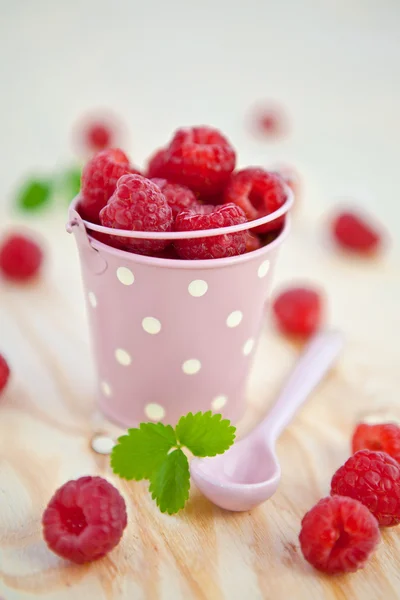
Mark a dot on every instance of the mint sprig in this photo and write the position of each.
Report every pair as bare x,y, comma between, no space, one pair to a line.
153,451
138,454
170,483
34,194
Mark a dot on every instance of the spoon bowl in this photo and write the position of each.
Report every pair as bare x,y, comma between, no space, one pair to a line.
234,480
249,472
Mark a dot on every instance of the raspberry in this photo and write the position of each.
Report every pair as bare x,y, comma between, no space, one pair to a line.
99,179
200,158
383,437
137,205
157,164
352,232
338,535
210,217
99,136
270,121
298,311
84,519
373,478
20,258
258,193
178,196
253,242
4,373
169,252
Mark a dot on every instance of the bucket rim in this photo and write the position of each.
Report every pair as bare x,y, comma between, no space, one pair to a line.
183,235
156,261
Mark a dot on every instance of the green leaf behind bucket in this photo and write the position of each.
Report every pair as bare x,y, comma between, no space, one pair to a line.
34,194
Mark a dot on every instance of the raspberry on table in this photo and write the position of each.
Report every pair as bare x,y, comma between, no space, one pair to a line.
384,437
4,373
352,232
156,167
84,519
137,205
178,196
258,193
20,257
211,217
99,136
338,535
200,158
373,478
298,311
99,179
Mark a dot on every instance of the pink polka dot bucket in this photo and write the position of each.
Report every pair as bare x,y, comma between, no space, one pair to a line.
173,336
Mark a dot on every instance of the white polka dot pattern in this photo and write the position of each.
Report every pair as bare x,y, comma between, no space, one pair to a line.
154,412
92,299
106,389
219,402
263,269
248,347
171,337
125,276
197,288
191,366
151,325
123,357
235,318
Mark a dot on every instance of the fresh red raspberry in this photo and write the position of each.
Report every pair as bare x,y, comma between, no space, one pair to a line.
178,196
298,311
353,232
99,136
169,253
270,120
4,373
373,478
156,167
258,193
138,205
99,179
20,258
211,217
383,437
200,158
84,519
338,535
253,242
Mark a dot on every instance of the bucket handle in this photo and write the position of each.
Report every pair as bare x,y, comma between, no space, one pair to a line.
95,261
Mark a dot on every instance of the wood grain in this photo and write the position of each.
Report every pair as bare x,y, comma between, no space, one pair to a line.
47,419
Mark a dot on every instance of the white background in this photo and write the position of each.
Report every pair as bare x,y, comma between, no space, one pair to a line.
335,65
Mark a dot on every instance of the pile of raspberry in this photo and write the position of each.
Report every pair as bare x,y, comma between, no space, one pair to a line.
190,185
341,531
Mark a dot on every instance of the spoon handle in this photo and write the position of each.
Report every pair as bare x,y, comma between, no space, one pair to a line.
314,362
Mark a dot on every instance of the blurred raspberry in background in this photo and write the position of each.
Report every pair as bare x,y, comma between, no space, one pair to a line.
268,119
98,130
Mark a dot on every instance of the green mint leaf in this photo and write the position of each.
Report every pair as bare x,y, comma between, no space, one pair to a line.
34,194
139,453
205,434
170,483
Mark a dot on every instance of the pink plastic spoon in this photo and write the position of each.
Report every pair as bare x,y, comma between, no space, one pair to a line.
249,472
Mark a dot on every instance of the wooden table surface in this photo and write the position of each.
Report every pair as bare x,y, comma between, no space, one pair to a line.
47,420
